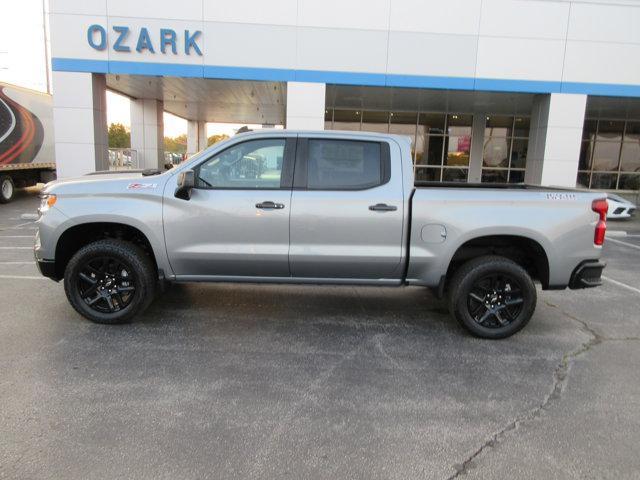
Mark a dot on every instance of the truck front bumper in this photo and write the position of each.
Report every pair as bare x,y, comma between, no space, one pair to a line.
47,269
588,274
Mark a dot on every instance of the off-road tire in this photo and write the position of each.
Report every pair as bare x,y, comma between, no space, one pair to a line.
127,253
466,278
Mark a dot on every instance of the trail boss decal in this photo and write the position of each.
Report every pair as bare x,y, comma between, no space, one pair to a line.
560,196
140,186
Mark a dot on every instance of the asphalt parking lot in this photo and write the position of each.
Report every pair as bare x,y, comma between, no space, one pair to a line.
243,381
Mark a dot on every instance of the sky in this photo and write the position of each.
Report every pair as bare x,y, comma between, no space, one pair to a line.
23,63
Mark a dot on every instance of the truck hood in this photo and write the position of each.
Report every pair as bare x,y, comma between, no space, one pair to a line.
106,182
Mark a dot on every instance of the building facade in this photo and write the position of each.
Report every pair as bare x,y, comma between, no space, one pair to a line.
546,92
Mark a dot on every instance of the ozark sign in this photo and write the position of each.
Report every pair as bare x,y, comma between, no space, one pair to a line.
168,40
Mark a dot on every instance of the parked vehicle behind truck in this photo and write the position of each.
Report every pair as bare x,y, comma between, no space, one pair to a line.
26,141
317,208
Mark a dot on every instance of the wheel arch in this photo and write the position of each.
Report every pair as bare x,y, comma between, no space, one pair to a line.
525,251
77,236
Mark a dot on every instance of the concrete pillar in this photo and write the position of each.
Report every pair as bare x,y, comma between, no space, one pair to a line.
477,147
305,105
147,132
80,123
196,136
555,134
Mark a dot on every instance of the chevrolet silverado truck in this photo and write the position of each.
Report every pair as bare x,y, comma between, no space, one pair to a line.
316,208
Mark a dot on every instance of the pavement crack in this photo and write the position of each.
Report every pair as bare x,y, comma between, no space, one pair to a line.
262,456
560,378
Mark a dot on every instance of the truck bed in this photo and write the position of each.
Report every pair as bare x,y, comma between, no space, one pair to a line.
503,186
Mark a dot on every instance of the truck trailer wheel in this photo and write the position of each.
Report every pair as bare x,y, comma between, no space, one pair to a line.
492,297
7,189
110,281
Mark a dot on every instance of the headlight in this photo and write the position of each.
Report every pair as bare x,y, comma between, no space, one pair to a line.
47,200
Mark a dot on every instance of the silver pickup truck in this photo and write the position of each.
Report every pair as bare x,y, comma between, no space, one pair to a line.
316,208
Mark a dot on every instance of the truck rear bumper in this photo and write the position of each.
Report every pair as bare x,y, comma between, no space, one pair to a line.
588,274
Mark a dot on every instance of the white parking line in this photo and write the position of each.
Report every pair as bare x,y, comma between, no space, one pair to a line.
616,233
620,284
630,245
22,277
17,236
17,263
19,227
29,216
22,224
16,248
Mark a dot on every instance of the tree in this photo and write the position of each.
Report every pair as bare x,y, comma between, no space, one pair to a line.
216,138
119,136
176,144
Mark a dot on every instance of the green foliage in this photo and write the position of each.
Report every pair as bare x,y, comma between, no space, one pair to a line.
216,138
176,144
119,136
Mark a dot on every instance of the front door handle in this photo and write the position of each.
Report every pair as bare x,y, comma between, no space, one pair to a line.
269,205
383,207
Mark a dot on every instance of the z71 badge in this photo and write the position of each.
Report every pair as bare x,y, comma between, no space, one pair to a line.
139,186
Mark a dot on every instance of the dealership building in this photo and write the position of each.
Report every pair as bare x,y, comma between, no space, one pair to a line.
536,91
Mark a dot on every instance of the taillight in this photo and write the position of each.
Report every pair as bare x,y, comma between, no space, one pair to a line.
600,206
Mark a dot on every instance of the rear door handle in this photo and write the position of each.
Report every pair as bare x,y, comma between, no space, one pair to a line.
383,207
269,205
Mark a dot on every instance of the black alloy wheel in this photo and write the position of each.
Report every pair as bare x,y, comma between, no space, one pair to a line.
495,300
106,284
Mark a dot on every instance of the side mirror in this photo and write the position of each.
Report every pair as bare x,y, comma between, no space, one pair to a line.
186,182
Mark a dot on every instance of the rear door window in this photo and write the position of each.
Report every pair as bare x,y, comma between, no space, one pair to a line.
344,164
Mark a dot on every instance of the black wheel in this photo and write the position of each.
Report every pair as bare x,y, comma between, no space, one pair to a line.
7,189
110,281
492,297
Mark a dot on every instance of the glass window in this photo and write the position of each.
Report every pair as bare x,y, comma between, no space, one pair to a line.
458,124
343,164
610,130
583,180
629,182
521,127
589,129
519,148
585,156
328,119
458,150
432,123
498,126
516,176
455,174
255,164
606,156
402,123
347,120
506,143
630,157
605,181
496,152
494,176
429,136
609,154
632,132
433,151
375,122
428,174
